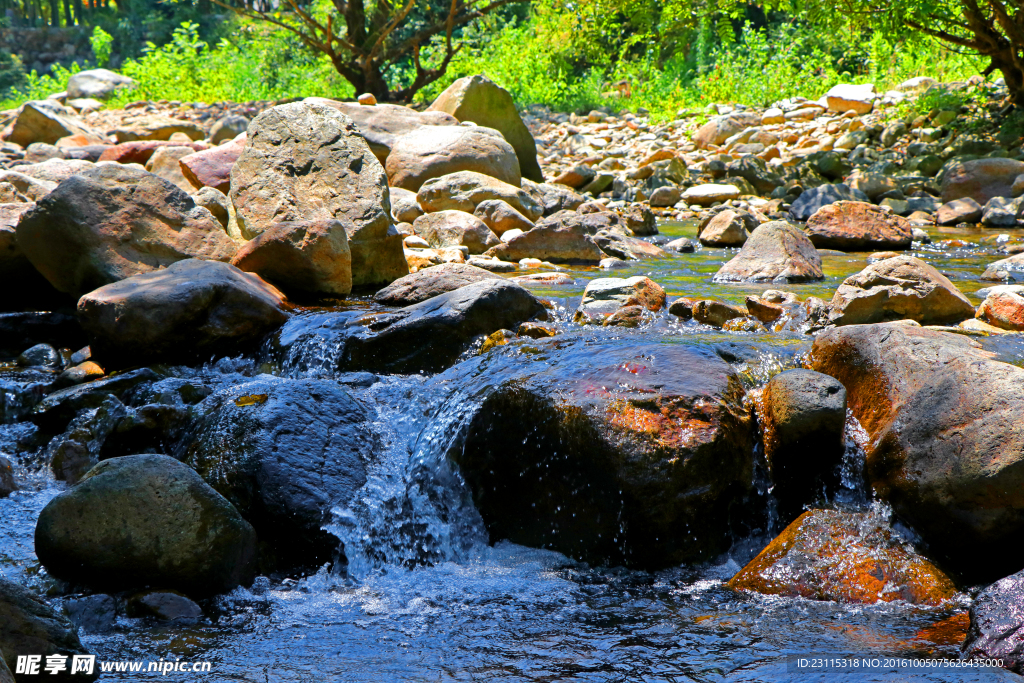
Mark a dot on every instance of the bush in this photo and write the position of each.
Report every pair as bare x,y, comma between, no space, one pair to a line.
101,42
12,72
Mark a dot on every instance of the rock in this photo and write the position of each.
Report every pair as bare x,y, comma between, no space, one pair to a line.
33,189
812,199
165,606
455,228
916,84
144,520
943,444
86,371
873,185
301,258
997,615
847,557
47,121
28,626
553,198
611,454
191,309
465,190
899,288
1000,212
802,414
559,238
603,297
164,163
113,222
212,167
625,247
577,176
25,288
1003,309
55,170
1008,269
39,355
92,613
228,128
857,226
404,207
501,217
755,171
846,97
959,211
305,162
17,330
981,179
706,195
139,152
434,151
98,84
430,282
707,311
640,220
477,99
721,128
726,229
666,196
7,483
214,201
775,252
156,127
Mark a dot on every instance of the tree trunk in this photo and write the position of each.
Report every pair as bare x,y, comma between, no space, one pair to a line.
80,13
68,21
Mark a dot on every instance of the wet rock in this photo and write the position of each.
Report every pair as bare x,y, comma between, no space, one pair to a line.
714,313
726,229
145,520
455,228
212,167
1000,212
7,483
284,452
501,217
92,613
28,626
958,211
812,199
190,309
613,455
430,282
1003,309
53,414
997,618
113,222
477,99
604,297
47,121
899,288
981,179
97,84
165,606
1008,269
774,252
302,258
435,151
39,355
156,127
465,190
849,557
858,226
77,450
802,415
944,448
305,162
58,329
559,238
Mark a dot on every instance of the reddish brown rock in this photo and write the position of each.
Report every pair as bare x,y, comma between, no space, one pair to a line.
212,167
981,180
302,258
1004,309
858,226
139,152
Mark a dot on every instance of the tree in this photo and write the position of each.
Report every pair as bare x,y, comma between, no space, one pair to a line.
378,34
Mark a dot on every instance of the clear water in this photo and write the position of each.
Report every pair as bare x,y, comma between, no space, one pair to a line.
426,599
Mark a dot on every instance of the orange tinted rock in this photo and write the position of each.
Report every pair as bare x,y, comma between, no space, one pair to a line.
1004,310
845,557
139,152
212,167
858,226
950,631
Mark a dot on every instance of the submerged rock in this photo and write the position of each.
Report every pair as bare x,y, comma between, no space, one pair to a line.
605,297
997,624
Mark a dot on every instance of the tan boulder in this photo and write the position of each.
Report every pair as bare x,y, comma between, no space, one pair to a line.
453,229
501,217
164,163
465,190
48,121
726,229
301,258
1004,309
775,252
433,151
847,97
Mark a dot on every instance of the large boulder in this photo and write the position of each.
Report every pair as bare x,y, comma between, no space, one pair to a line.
466,190
191,309
284,453
898,288
453,229
997,624
30,627
430,282
145,520
305,162
561,238
858,226
981,179
434,151
851,557
478,99
47,121
212,167
608,453
55,170
812,199
97,84
113,222
945,447
775,252
24,286
301,257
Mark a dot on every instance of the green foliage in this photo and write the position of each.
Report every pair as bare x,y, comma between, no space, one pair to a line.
101,42
12,72
39,87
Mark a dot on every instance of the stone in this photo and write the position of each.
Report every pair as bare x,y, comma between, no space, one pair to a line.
625,247
33,189
164,163
667,195
1003,309
404,207
611,454
167,606
139,152
156,127
756,172
465,190
576,177
28,626
775,252
430,282
1008,269
1000,212
721,128
917,84
501,217
477,99
640,220
858,226
943,445
559,238
682,245
706,195
847,97
707,311
305,162
59,329
214,201
604,297
92,613
873,185
212,167
302,258
958,211
812,199
981,179
7,483
434,151
86,371
191,309
726,229
845,557
100,84
553,198
25,288
143,520
228,128
454,229
55,170
802,415
39,355
899,288
996,621
47,121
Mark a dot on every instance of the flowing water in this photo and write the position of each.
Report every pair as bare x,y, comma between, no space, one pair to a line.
425,598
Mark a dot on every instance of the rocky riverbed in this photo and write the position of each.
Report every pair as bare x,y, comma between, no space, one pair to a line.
350,390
